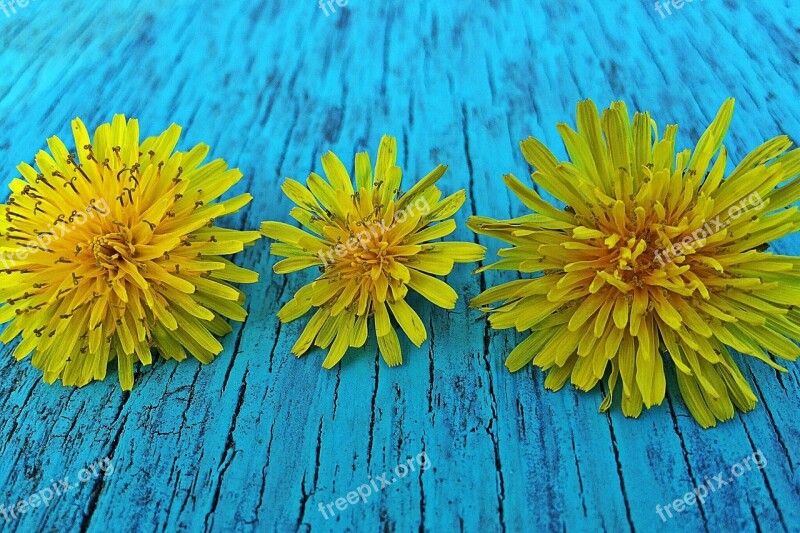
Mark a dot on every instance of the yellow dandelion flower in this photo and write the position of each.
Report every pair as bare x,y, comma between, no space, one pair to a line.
371,242
655,256
112,250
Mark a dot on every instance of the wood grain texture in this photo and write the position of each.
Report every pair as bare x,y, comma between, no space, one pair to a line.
257,439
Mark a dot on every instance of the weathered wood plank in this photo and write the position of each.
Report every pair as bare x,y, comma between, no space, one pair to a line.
257,440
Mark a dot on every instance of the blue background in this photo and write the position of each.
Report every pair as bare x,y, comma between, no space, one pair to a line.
258,439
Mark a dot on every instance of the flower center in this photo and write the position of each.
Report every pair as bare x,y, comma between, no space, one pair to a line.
371,253
630,252
111,248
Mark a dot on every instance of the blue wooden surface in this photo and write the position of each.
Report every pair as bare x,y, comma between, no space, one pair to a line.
258,439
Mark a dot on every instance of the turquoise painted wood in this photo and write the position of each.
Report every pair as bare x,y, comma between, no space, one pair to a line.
258,440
